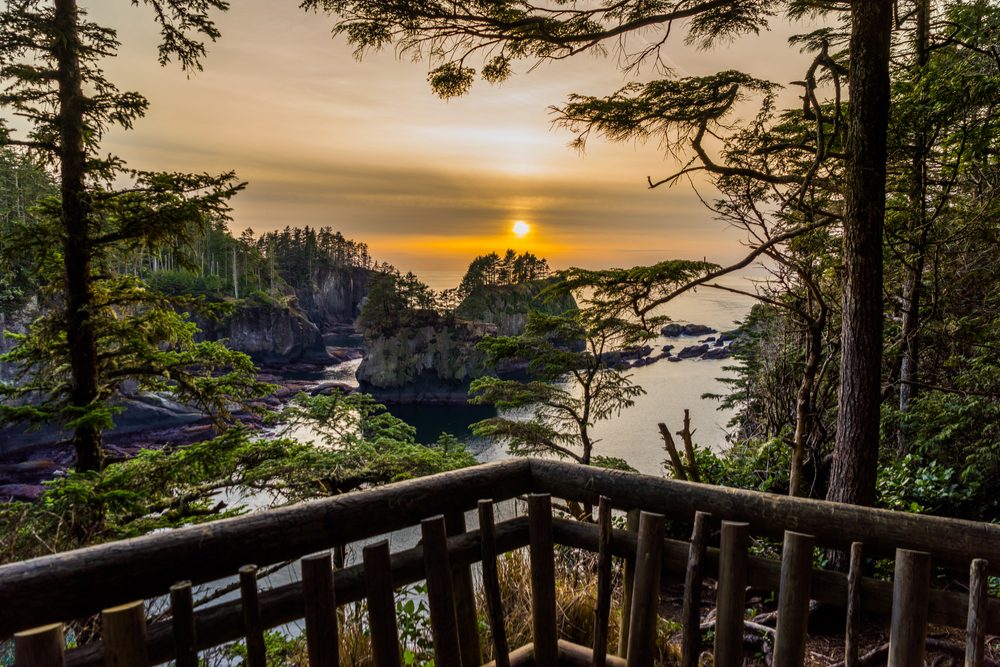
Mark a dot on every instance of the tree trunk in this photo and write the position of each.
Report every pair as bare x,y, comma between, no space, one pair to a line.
81,338
856,453
803,402
917,246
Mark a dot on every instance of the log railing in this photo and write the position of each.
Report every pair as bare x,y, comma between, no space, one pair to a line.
38,596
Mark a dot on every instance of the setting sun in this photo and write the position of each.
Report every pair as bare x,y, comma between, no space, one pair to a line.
521,228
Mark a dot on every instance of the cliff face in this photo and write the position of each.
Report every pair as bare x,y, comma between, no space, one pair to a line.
435,363
268,332
335,295
432,364
508,306
15,323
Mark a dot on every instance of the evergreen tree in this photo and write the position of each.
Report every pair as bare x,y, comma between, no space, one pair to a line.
104,328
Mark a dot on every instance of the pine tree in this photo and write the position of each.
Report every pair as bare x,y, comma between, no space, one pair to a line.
105,328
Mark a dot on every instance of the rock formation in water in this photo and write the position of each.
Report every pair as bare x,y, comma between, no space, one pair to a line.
270,331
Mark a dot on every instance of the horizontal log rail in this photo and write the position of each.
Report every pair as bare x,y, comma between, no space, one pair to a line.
81,583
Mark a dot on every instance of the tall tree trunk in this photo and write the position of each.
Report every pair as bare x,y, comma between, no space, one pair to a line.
81,338
803,402
855,456
917,246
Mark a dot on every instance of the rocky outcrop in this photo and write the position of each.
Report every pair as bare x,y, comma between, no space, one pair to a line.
270,332
675,329
15,323
432,363
508,306
335,295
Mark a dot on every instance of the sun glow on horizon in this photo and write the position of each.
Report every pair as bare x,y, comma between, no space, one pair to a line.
520,228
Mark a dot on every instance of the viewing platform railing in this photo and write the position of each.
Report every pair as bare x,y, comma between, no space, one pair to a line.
38,596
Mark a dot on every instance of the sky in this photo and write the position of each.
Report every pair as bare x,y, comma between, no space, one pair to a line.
366,148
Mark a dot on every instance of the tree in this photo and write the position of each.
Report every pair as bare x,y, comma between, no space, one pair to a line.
575,376
684,113
104,329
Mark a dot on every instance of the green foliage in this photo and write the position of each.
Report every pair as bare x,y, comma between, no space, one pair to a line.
492,270
750,464
571,385
23,184
396,301
917,485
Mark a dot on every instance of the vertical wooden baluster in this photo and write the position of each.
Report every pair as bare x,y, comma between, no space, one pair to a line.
975,629
631,525
440,593
381,605
253,628
319,599
491,584
851,645
691,614
793,600
465,599
543,581
646,592
732,594
182,619
123,630
910,588
602,610
44,646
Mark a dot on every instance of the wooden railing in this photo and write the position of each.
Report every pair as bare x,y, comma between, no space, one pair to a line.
38,596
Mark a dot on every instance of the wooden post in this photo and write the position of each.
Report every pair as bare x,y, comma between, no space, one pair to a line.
465,599
41,647
646,592
631,525
124,634
440,593
732,594
491,584
851,645
602,609
908,630
320,602
253,628
691,614
975,629
545,636
793,600
182,618
381,605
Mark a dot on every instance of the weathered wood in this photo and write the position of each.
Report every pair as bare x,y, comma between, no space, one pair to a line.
440,593
646,591
182,619
253,627
320,608
853,627
544,633
602,607
523,656
90,579
41,647
465,599
124,631
628,576
908,630
793,600
691,613
223,622
675,458
687,437
381,605
975,629
950,541
574,655
491,584
732,594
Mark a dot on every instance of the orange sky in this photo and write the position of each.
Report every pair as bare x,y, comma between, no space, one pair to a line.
367,149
